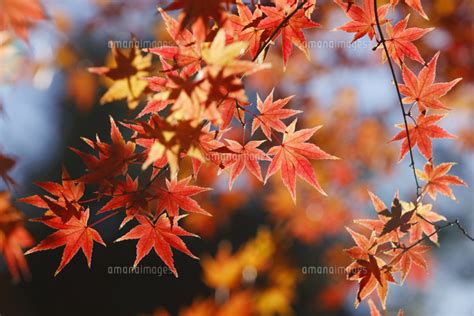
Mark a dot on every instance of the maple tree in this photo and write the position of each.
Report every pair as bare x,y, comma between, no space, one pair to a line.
191,116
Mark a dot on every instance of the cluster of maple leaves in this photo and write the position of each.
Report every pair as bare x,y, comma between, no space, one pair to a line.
197,98
397,237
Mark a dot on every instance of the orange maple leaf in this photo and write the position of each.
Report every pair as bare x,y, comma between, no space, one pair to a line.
291,157
421,134
437,179
244,156
271,114
399,41
291,31
363,18
422,89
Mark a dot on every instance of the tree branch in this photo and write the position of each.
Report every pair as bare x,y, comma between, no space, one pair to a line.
392,70
419,192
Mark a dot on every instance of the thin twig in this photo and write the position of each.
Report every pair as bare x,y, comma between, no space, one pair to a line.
103,219
392,70
426,237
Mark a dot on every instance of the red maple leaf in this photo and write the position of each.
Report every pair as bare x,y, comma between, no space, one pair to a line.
176,195
291,157
363,18
65,202
127,195
245,26
74,235
160,236
271,114
422,89
113,159
246,156
187,54
291,31
437,179
421,134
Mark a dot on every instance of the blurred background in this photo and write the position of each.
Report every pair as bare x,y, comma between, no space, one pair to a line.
260,248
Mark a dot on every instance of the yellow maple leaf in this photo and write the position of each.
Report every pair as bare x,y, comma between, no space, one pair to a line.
127,73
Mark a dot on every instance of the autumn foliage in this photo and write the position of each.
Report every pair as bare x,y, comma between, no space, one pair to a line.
194,113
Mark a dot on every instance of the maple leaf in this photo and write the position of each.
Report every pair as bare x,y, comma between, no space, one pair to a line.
127,195
397,219
20,16
13,238
127,74
421,134
363,18
364,246
371,275
292,158
65,203
222,56
74,235
6,164
176,195
403,259
422,89
245,26
414,4
271,114
399,41
378,225
166,143
199,14
113,159
209,146
424,222
246,156
160,236
437,179
291,32
187,54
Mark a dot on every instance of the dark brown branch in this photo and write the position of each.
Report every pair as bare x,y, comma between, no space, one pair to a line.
392,70
426,237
